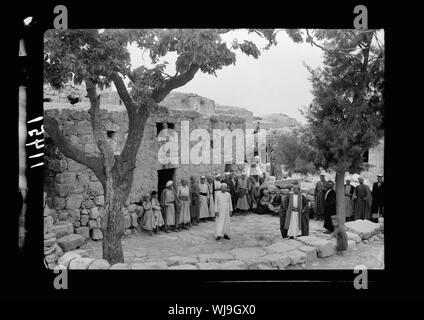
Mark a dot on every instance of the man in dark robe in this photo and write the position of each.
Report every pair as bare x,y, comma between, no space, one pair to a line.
329,206
319,197
362,201
231,187
194,201
294,215
378,198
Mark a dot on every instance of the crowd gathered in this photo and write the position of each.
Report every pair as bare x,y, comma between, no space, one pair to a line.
216,198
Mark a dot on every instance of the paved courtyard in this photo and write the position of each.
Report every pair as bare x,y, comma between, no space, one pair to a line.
248,233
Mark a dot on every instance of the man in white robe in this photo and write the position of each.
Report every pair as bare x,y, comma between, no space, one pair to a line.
223,208
203,199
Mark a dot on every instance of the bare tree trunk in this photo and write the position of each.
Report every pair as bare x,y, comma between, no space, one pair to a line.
340,195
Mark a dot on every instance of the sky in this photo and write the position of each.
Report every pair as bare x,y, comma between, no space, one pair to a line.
276,82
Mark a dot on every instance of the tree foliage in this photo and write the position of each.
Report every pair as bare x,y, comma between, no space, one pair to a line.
346,115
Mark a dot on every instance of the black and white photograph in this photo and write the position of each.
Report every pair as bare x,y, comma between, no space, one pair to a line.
206,157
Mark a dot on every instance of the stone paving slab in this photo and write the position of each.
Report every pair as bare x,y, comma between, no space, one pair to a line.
364,228
216,257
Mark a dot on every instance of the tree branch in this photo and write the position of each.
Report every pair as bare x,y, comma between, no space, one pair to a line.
72,152
123,92
99,135
159,94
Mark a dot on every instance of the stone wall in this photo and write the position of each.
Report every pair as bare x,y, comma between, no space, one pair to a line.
376,162
74,193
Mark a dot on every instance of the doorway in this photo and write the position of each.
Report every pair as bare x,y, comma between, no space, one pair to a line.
164,176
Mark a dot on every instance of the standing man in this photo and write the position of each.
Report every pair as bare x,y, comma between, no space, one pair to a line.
216,184
209,182
378,198
242,190
294,215
363,201
223,208
203,199
194,201
319,197
234,183
329,206
349,189
167,201
231,187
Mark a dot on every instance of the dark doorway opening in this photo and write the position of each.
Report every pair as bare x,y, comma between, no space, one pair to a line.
164,176
366,156
159,126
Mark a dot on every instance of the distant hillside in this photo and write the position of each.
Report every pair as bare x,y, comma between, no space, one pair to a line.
276,121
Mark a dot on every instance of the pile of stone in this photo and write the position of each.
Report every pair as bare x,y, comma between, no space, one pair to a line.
363,228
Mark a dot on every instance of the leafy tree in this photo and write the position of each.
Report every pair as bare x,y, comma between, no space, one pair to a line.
101,58
346,116
291,150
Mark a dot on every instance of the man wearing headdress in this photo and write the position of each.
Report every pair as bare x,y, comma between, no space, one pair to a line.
203,199
194,201
362,201
330,206
242,188
294,215
183,193
231,187
349,189
378,198
209,182
167,202
223,210
319,197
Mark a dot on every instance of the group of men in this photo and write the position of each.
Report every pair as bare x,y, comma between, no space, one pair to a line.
360,201
206,199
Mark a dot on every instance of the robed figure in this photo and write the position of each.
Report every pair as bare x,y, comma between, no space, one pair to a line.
349,190
223,208
203,199
242,193
378,198
168,202
362,202
194,201
231,187
294,215
319,198
330,206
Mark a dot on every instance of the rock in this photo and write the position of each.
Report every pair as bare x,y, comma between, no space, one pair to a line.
264,267
127,232
49,250
70,242
282,246
364,228
277,260
76,224
177,260
67,257
80,263
233,265
132,208
149,265
254,263
84,220
183,267
66,178
51,258
120,266
96,234
49,235
75,189
83,231
247,253
100,200
293,243
94,213
49,242
63,216
134,222
74,201
62,228
311,252
353,236
99,264
296,256
59,203
215,257
351,245
93,224
48,221
96,187
75,166
325,248
208,266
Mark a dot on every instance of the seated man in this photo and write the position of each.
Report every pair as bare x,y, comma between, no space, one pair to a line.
275,203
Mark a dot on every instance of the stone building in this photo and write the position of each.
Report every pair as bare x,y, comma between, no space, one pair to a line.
74,193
